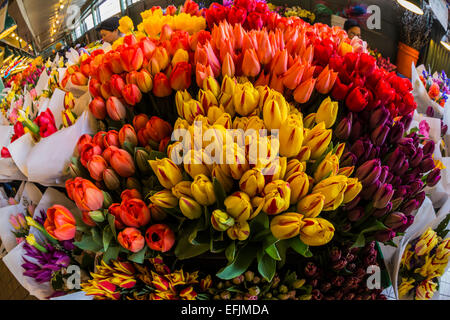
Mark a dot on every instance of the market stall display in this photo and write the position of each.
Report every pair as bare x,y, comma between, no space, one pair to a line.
259,156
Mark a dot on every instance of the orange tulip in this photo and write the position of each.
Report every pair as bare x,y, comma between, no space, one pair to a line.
128,134
83,140
122,162
144,81
228,68
98,108
250,64
104,73
114,63
304,91
115,109
158,129
148,47
60,223
132,58
276,83
180,79
293,76
132,94
132,77
279,63
263,80
134,213
96,166
130,194
202,72
105,90
86,195
111,138
160,237
131,239
265,51
79,79
159,61
326,80
161,85
140,121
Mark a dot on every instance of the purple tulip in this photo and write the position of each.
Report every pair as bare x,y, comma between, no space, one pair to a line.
396,220
430,112
344,128
410,206
396,202
369,192
427,164
348,160
407,146
415,160
416,186
383,196
394,158
420,197
352,204
389,177
374,153
338,281
355,214
357,130
339,265
384,236
406,120
384,173
401,191
379,135
396,133
396,182
310,269
428,148
409,222
378,213
403,168
378,117
358,148
325,287
444,129
335,254
433,177
369,172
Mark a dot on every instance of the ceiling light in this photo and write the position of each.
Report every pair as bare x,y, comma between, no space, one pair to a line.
61,7
411,5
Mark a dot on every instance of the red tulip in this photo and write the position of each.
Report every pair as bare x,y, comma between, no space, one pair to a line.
190,7
163,144
94,88
96,166
131,239
142,138
180,78
140,121
171,10
134,213
366,64
79,79
249,5
237,15
111,138
117,84
114,210
340,90
115,63
132,77
115,108
148,47
161,85
60,223
5,153
98,108
130,194
132,58
84,139
129,40
158,129
122,162
128,134
98,139
46,123
86,195
357,99
160,237
87,152
255,20
108,153
132,94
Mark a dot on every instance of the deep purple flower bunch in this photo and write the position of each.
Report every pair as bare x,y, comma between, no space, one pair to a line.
394,167
339,273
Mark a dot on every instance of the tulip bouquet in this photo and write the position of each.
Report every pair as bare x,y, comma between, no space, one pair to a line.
423,262
297,11
21,228
437,86
152,280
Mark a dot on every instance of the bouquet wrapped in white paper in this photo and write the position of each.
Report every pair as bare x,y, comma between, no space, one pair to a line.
8,169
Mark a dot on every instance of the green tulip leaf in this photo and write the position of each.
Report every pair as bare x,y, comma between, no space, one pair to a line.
111,254
96,236
259,224
282,247
360,241
185,249
267,267
220,193
272,251
107,237
87,243
138,257
300,247
112,224
230,251
239,265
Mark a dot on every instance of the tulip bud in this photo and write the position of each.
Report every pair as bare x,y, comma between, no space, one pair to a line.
239,206
107,200
428,148
116,85
246,99
333,189
221,221
355,214
252,182
164,199
239,231
156,213
327,112
328,167
316,232
115,109
96,166
379,213
369,172
378,117
277,197
383,196
384,236
167,172
142,160
344,128
203,191
291,136
98,108
287,225
182,189
190,208
97,216
318,140
348,160
379,135
433,177
144,81
395,220
335,254
396,132
275,111
111,179
310,269
311,206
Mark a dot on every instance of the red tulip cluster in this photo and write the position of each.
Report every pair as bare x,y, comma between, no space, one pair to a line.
46,123
251,14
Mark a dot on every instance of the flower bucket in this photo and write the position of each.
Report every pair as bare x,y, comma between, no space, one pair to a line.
405,56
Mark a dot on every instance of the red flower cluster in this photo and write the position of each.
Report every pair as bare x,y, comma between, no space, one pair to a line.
46,123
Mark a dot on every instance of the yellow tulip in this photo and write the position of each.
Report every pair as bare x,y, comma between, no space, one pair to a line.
214,113
225,180
299,184
346,171
164,199
126,25
203,191
221,221
190,208
304,154
309,121
180,56
426,290
311,205
333,189
195,163
236,161
245,99
352,190
277,197
239,206
252,182
286,225
291,136
224,120
207,99
275,111
211,84
293,166
239,231
316,232
427,242
442,254
405,287
328,167
167,172
255,123
190,110
327,112
182,189
340,150
181,124
318,140
240,123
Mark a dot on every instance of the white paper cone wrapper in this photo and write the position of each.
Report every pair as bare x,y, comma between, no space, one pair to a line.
77,91
30,195
14,260
42,83
3,198
421,95
74,296
72,57
20,149
6,229
56,105
82,103
48,160
61,73
8,169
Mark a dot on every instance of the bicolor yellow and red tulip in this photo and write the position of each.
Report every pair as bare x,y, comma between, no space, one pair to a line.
286,225
164,199
203,191
316,231
167,172
333,189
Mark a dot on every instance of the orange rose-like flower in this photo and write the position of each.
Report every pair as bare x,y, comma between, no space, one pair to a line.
160,237
157,129
161,85
86,195
60,223
130,194
131,239
134,213
114,210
